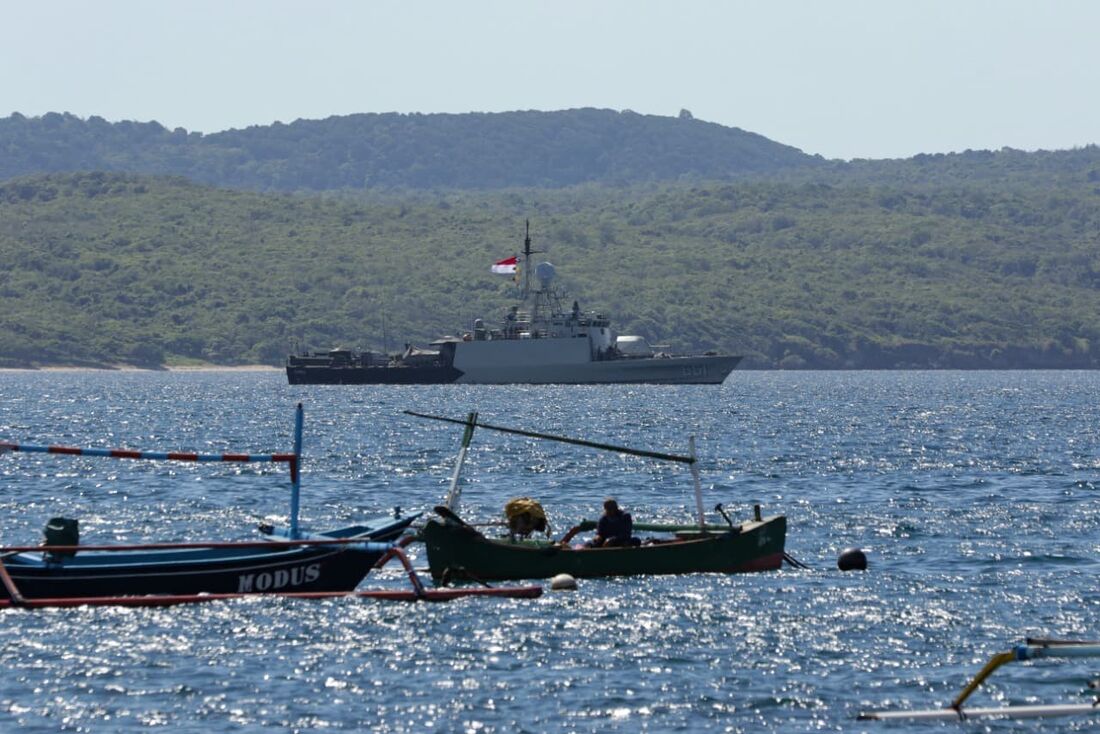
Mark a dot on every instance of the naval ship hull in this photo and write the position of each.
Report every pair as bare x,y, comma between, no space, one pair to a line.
356,375
653,371
700,370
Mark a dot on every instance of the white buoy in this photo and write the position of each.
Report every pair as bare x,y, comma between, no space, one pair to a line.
563,582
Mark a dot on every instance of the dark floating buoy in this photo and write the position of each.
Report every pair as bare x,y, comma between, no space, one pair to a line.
852,559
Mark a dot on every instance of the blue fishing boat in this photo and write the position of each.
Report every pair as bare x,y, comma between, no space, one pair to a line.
230,568
287,560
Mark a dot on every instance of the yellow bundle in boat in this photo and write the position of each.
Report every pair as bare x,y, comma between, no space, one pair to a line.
525,516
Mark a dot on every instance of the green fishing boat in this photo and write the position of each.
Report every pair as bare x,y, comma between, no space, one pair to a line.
457,551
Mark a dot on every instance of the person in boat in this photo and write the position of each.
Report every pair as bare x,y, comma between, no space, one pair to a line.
615,528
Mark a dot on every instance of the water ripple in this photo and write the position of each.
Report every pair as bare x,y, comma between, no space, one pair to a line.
974,493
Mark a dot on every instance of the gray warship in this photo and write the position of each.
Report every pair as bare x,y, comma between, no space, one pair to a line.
538,342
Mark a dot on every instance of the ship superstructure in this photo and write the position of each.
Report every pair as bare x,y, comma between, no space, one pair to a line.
537,342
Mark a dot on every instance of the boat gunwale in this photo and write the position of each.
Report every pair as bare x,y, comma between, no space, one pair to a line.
470,555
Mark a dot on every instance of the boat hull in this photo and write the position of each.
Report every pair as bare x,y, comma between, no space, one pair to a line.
458,551
348,375
697,370
205,570
701,370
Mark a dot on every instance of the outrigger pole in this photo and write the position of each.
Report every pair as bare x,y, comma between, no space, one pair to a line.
1034,649
152,455
293,460
562,439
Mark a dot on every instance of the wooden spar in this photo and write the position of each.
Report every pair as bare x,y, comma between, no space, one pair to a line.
1033,650
564,439
698,489
296,474
149,455
294,460
453,492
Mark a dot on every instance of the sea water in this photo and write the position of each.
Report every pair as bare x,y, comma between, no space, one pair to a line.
974,495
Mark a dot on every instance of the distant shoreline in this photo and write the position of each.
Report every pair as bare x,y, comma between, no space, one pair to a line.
182,368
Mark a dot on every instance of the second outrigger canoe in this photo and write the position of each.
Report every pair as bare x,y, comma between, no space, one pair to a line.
457,551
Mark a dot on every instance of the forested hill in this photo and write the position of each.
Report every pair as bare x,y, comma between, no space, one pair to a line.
1006,169
434,151
112,268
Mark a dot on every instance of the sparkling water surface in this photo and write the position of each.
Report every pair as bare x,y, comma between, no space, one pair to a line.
974,494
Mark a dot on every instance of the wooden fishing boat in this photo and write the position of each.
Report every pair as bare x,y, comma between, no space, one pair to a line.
457,551
1032,649
212,568
289,560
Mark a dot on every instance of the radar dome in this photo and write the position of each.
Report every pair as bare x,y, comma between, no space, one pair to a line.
545,272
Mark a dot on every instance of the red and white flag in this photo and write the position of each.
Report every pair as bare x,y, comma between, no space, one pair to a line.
505,267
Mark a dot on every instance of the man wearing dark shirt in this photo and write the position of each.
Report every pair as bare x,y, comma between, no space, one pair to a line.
614,528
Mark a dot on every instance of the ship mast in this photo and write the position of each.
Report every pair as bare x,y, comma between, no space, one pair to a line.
527,253
527,261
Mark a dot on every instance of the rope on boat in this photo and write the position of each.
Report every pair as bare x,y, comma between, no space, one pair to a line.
447,576
792,561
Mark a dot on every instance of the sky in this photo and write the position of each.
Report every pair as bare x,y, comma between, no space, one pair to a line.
859,79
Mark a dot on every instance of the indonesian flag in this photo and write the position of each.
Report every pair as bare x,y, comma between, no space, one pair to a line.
505,267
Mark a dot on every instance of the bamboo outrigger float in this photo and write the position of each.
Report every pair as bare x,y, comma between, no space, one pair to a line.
1033,649
290,563
457,551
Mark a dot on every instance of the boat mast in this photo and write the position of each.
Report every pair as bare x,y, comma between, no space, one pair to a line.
453,492
296,474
